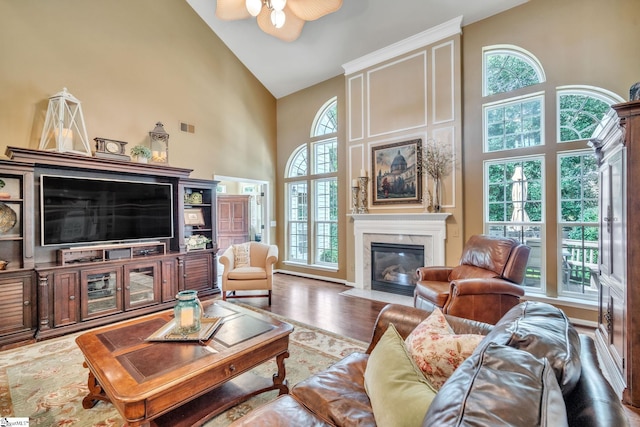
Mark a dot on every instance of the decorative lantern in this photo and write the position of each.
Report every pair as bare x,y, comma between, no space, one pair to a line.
159,144
187,312
64,129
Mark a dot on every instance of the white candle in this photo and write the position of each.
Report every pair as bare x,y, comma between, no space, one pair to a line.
354,183
64,138
363,172
186,317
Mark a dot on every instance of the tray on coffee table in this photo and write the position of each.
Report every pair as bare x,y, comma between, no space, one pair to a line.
208,326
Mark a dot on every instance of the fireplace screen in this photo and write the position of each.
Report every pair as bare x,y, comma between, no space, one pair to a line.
393,267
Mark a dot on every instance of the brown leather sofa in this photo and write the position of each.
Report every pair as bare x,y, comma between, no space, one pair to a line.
473,395
485,284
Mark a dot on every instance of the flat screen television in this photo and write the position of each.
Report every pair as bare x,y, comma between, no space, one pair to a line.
88,210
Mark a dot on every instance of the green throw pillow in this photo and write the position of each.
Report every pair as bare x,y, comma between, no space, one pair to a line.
400,395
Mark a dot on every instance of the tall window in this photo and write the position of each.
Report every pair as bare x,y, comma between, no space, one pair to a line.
312,194
515,206
515,186
578,222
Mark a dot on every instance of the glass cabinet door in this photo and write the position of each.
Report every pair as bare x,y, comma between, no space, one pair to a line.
101,291
142,284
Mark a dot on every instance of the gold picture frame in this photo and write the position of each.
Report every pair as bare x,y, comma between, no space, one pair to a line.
194,216
397,173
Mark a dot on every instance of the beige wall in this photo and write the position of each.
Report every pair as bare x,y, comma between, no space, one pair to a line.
131,64
578,42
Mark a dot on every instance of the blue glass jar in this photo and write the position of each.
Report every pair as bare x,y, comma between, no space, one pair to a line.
187,312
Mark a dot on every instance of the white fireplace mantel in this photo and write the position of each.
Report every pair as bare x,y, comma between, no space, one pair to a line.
428,229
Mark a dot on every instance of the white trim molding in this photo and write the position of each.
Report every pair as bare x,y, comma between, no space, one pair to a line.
432,35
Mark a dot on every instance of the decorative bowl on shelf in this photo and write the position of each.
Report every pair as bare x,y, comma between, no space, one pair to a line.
8,218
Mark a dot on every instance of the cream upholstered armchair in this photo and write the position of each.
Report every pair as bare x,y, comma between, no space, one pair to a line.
248,267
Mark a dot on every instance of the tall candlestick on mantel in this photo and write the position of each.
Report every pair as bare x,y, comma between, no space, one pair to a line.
362,195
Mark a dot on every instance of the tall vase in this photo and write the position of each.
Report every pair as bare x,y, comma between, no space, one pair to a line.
437,194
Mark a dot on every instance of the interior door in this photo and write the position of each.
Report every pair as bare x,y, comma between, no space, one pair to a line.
233,220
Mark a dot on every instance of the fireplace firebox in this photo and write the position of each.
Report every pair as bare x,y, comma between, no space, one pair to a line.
393,267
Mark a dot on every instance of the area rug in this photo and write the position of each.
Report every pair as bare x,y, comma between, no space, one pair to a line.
46,381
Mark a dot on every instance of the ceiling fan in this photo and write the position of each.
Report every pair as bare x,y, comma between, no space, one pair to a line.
283,19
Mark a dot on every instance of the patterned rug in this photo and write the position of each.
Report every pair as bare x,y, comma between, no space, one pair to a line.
46,381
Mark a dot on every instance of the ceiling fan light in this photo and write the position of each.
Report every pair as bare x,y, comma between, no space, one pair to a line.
253,6
277,18
278,4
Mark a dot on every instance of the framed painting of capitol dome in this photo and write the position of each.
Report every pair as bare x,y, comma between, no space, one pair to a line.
397,173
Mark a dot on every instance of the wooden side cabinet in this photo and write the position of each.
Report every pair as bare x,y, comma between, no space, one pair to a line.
80,296
101,290
142,284
619,249
18,316
66,297
170,281
200,272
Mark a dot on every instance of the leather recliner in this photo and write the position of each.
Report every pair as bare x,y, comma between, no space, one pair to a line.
483,287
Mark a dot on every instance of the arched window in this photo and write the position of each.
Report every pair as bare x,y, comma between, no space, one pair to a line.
298,163
581,109
311,188
326,120
507,68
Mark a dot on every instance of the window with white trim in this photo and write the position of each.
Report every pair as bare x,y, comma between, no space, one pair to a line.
578,223
311,188
580,111
515,208
514,124
508,68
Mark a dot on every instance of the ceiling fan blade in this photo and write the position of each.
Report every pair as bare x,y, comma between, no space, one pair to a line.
310,10
290,30
230,10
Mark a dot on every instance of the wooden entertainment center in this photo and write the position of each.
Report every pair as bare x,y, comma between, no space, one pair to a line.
51,290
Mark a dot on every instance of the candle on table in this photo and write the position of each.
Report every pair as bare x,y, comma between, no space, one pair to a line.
354,183
186,317
363,172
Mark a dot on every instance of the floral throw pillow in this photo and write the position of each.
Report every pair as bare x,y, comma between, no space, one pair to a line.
437,350
241,255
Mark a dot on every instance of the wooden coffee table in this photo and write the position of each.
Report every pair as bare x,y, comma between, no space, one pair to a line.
183,383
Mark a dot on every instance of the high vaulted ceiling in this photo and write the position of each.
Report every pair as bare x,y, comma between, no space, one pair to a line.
358,28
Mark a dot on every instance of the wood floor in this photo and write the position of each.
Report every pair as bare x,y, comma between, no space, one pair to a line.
319,303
